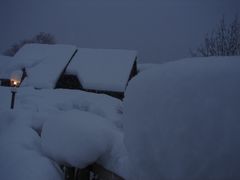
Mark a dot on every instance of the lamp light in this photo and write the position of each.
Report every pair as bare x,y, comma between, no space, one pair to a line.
16,77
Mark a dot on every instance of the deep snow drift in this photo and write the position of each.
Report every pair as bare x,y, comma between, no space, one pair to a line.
77,138
63,100
20,150
89,125
181,120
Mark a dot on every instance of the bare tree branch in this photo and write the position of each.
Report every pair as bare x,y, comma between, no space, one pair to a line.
41,38
223,41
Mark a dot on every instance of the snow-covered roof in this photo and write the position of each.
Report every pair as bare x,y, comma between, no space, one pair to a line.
44,63
102,69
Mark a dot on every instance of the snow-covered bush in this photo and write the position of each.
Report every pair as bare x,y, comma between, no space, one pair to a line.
20,150
47,101
182,120
77,138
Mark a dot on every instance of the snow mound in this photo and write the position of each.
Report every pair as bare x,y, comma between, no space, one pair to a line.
77,138
20,154
116,160
63,100
18,63
22,164
181,120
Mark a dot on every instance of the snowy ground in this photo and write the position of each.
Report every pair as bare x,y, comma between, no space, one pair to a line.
77,128
181,120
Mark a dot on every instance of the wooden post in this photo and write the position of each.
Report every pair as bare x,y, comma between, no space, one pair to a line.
83,174
94,172
103,174
69,173
13,99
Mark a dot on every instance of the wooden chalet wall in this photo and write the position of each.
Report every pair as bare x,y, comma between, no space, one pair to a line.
68,81
5,82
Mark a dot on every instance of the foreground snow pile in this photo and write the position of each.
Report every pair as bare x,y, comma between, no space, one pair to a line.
64,100
77,138
20,150
92,130
182,120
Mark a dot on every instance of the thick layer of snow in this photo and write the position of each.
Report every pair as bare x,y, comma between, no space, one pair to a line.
20,164
116,160
77,138
20,150
102,69
181,120
34,108
49,62
18,63
63,100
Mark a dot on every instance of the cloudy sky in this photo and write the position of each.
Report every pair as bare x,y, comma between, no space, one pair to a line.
161,30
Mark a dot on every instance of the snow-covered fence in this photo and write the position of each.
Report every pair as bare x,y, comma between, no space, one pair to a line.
94,172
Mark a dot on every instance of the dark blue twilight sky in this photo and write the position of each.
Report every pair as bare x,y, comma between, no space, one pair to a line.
161,30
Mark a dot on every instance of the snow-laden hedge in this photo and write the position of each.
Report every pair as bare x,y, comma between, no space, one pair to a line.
182,120
20,150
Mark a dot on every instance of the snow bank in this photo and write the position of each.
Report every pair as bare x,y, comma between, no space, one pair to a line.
64,100
49,62
102,69
77,138
20,150
116,160
33,108
181,120
20,164
18,63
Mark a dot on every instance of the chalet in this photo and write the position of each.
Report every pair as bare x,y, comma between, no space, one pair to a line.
104,71
42,64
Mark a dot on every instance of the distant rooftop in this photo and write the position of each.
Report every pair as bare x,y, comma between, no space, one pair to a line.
102,69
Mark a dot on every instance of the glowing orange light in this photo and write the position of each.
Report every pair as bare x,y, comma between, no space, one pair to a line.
16,77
